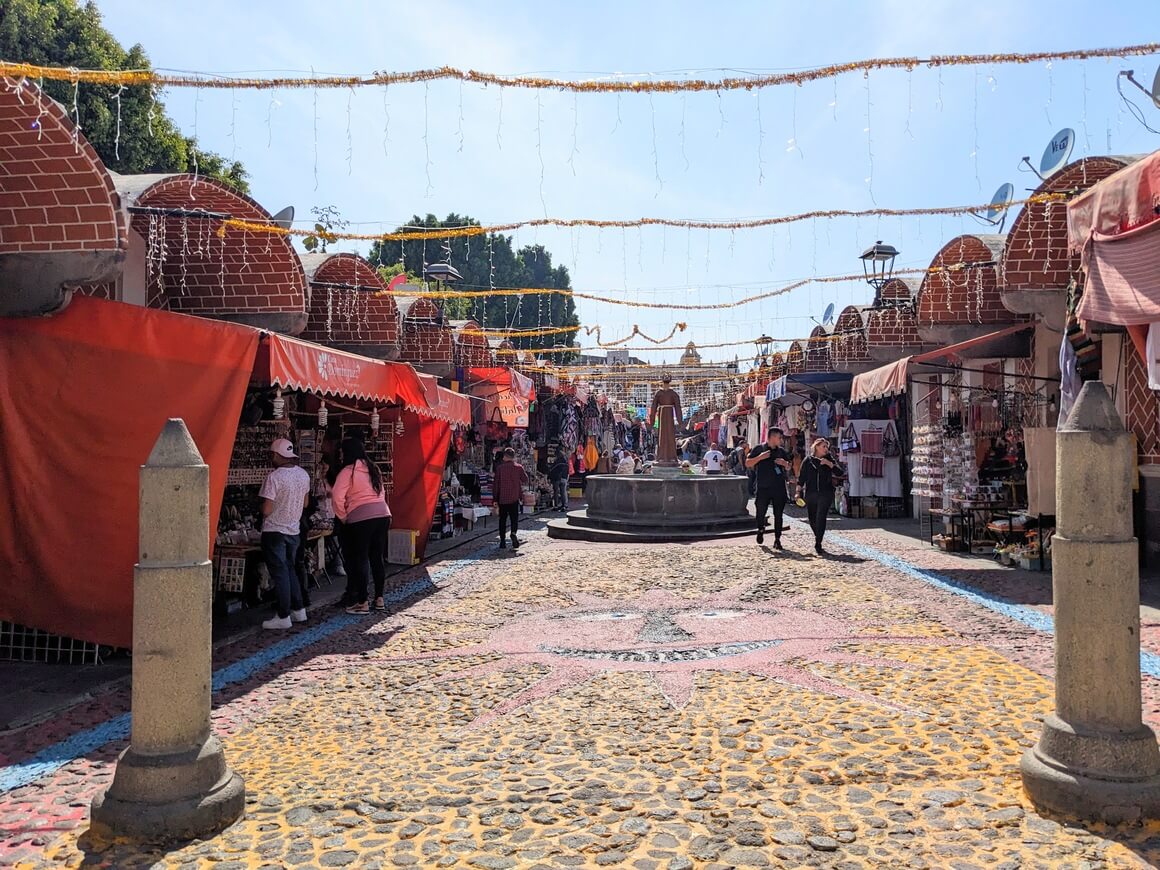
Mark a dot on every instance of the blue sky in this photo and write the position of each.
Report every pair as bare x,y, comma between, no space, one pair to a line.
894,139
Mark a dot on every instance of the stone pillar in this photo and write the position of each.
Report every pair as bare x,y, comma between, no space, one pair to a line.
666,437
172,782
1095,759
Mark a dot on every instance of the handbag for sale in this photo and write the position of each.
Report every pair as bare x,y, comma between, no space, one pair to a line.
872,441
873,466
848,441
891,445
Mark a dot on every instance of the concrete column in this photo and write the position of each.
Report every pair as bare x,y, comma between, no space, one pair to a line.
1095,759
172,782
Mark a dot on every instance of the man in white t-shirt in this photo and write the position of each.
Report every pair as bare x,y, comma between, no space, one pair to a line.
713,461
284,496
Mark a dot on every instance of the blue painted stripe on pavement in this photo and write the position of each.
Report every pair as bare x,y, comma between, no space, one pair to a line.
54,757
1036,619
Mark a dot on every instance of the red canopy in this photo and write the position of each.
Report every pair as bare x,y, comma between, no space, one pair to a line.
443,404
83,396
301,365
505,389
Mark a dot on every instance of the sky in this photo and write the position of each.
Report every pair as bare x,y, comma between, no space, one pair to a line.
891,139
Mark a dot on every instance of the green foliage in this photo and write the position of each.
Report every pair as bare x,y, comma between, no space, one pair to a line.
65,33
326,224
490,261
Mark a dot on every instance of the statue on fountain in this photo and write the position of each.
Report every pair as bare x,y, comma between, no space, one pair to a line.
667,404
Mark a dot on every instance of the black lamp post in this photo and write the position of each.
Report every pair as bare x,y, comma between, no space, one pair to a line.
764,346
878,267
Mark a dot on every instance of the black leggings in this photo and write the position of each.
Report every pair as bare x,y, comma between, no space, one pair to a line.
509,512
818,510
771,498
365,543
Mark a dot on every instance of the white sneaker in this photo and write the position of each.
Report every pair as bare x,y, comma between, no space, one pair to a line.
277,622
298,615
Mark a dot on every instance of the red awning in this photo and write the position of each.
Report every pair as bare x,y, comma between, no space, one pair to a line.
301,365
1125,200
890,379
443,404
879,383
500,380
1122,277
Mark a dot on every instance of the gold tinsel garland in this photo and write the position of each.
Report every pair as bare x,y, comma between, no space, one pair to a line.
605,86
441,233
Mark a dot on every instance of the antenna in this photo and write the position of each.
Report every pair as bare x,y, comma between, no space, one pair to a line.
996,213
284,218
1154,93
828,316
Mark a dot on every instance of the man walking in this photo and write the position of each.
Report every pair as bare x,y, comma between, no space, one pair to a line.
558,475
770,463
510,479
284,497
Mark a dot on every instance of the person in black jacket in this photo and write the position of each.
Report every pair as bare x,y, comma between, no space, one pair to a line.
770,464
816,481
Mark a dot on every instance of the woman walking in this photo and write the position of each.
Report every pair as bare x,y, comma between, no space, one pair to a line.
816,481
361,504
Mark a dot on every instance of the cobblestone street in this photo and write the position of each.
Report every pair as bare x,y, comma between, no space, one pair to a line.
578,705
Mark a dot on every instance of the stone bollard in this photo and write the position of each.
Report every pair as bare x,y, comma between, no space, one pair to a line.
172,782
1096,759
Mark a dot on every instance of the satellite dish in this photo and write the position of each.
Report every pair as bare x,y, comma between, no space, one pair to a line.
1057,152
284,218
828,316
1000,202
1156,89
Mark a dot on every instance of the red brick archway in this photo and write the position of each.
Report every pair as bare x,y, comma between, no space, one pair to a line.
471,347
892,333
850,349
818,351
60,221
795,359
959,298
194,267
1036,267
425,338
348,306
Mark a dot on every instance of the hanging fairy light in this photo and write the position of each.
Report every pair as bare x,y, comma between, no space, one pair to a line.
323,415
375,421
399,426
279,405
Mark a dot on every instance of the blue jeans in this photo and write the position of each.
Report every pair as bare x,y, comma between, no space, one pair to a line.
280,551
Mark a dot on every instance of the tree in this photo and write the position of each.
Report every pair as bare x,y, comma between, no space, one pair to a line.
66,34
490,261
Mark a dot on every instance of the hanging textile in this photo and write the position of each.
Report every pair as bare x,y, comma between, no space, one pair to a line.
871,441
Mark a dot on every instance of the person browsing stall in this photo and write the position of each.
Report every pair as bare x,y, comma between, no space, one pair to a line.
770,463
284,495
360,502
713,461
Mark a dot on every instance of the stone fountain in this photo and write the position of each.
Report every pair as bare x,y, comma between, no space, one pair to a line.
665,505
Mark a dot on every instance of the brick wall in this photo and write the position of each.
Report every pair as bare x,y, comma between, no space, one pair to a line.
892,327
796,359
350,317
898,290
1141,407
422,339
954,295
191,269
851,345
471,347
818,351
1036,253
55,194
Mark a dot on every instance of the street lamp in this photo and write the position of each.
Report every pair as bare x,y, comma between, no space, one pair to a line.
764,346
878,266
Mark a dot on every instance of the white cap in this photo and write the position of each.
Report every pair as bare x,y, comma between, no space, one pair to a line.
283,448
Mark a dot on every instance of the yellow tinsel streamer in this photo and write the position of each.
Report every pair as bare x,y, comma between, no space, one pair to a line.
604,86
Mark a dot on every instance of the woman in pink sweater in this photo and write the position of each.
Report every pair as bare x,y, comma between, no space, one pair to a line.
361,504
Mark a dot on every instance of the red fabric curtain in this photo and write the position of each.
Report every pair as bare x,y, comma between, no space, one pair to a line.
83,397
420,455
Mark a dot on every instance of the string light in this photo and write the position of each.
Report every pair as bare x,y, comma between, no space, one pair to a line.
604,85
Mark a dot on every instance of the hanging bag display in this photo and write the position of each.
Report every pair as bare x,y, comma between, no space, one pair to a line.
891,445
848,442
872,441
